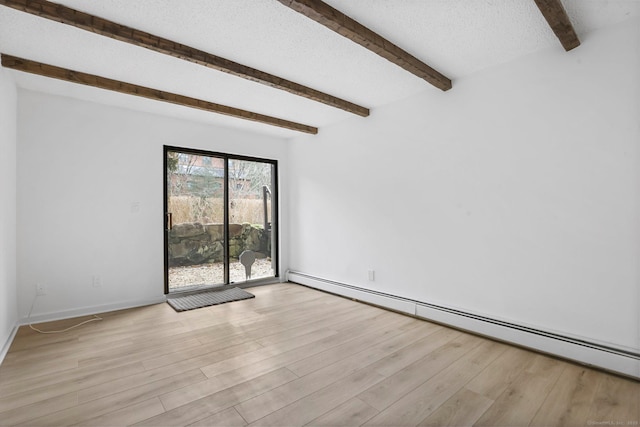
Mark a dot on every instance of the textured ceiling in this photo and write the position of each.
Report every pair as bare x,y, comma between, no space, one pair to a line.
456,37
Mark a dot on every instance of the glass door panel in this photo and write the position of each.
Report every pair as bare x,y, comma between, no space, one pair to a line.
251,225
195,206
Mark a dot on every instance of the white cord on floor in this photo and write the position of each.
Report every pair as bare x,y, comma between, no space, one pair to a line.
94,319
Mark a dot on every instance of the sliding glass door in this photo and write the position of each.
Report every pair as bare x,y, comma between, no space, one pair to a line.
251,226
220,219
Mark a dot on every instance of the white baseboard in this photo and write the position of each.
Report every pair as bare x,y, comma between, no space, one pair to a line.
5,347
607,357
88,311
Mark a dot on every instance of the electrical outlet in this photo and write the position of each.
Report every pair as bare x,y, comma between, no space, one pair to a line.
372,275
97,281
41,289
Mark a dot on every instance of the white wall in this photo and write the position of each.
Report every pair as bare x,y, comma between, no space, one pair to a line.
514,195
8,299
81,167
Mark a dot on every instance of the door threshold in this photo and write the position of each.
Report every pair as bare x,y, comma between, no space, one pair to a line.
194,289
186,290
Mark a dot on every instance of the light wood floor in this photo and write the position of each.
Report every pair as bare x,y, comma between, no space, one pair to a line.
294,356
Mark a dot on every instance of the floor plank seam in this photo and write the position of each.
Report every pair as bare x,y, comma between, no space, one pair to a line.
545,400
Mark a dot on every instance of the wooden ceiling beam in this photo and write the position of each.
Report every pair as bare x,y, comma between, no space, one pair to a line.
358,33
559,22
95,24
54,72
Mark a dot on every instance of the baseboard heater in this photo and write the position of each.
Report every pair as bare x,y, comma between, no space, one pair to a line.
621,361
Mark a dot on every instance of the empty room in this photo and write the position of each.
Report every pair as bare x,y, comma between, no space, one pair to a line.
324,213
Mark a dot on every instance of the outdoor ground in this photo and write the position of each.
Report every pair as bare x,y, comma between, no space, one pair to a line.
211,274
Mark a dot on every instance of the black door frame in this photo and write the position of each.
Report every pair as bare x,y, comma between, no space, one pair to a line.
226,157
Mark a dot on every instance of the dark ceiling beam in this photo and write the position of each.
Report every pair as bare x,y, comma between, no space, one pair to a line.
559,22
95,24
54,72
358,33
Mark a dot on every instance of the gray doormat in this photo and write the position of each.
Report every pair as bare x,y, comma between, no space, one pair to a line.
205,299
